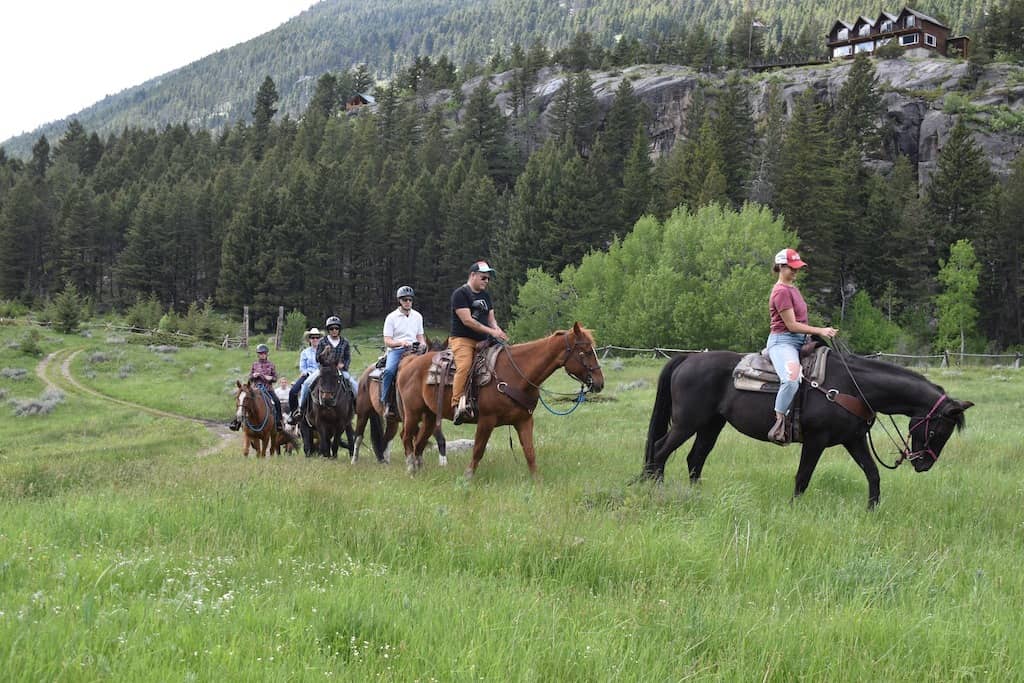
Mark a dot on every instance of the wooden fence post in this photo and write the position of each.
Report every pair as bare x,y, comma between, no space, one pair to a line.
245,327
280,327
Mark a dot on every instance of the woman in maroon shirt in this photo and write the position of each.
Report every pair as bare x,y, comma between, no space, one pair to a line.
789,330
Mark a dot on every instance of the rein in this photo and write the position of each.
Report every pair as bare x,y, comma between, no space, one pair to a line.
904,453
270,409
580,397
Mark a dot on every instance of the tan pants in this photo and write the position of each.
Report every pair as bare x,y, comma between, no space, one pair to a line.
463,349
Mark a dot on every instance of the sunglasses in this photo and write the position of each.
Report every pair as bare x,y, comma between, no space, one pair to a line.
334,329
406,298
485,278
314,336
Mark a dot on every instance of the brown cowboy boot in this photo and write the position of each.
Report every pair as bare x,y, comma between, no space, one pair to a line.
777,434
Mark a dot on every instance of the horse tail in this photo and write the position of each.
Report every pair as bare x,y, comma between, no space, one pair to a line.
662,412
377,434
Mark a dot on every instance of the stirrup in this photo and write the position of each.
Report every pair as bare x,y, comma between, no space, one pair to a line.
463,411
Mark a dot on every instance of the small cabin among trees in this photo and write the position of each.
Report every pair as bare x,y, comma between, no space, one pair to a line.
359,100
917,33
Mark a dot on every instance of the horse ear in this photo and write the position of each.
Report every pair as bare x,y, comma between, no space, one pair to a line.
963,405
576,328
238,384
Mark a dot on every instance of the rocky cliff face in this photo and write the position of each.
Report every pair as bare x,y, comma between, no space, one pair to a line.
914,96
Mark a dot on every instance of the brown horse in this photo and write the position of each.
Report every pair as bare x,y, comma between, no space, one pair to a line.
328,414
254,411
369,410
509,399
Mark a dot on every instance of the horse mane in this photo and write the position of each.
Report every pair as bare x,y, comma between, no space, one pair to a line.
892,368
557,333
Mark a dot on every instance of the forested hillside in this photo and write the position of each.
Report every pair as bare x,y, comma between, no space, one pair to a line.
330,214
388,35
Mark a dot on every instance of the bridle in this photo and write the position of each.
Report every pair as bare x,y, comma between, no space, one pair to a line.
906,453
588,381
244,407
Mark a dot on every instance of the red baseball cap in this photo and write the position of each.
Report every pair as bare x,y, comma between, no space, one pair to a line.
789,257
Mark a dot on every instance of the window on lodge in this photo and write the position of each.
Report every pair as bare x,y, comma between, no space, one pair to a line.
929,39
909,40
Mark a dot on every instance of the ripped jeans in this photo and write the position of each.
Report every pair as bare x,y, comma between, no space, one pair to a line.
784,350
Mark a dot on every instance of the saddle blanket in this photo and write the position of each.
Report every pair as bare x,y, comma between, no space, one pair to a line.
755,372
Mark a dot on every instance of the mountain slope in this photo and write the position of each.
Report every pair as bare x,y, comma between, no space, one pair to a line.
335,35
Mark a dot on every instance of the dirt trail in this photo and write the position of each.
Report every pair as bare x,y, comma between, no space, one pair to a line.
65,357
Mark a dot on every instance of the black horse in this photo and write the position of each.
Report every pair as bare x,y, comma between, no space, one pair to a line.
330,410
696,396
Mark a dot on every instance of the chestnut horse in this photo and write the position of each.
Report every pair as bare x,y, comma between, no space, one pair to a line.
254,411
509,399
382,430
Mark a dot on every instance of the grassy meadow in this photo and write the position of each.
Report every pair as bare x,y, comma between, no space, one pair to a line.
132,548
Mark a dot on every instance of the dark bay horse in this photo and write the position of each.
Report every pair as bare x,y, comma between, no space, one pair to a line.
329,412
254,412
382,430
509,399
696,396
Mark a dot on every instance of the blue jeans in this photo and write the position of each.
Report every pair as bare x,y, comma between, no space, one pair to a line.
387,378
308,384
784,350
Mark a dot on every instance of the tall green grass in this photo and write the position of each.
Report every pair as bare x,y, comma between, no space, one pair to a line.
125,555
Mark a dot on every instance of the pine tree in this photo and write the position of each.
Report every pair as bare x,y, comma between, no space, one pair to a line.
637,183
855,122
959,194
808,195
734,130
262,114
483,129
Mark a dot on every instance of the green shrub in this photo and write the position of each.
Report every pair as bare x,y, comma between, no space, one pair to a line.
67,310
956,103
10,308
866,329
144,314
29,343
202,322
890,50
292,337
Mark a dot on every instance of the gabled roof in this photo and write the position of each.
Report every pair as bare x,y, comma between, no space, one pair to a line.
923,17
863,20
363,96
840,24
886,15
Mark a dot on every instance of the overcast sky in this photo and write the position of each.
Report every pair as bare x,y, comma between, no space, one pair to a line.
58,57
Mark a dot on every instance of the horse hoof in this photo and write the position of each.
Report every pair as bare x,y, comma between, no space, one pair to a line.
442,461
468,474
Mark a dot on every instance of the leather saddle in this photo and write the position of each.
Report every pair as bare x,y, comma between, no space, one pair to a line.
442,365
755,372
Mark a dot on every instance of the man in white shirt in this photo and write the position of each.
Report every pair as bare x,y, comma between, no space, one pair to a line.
403,328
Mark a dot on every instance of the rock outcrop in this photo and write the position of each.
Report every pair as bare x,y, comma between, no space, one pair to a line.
914,94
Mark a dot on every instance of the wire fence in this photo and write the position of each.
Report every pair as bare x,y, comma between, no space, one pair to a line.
943,360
